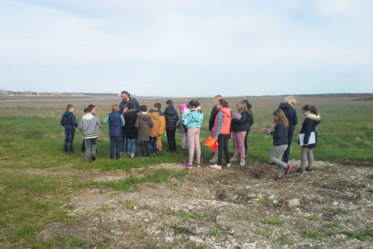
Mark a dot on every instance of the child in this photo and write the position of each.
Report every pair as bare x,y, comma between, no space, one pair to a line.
239,128
68,120
182,127
154,131
280,142
130,117
193,120
251,121
213,114
171,119
90,127
222,131
116,122
143,125
309,125
91,108
162,128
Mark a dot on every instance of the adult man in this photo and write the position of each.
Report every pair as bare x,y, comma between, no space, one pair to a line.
126,99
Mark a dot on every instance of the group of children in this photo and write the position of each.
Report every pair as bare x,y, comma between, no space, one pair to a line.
147,128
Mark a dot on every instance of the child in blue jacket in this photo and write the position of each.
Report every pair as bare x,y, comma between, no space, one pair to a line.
116,122
68,120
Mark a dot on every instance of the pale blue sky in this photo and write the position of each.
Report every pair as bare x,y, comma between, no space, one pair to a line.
187,48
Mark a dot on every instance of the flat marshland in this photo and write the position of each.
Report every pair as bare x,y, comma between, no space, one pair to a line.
52,200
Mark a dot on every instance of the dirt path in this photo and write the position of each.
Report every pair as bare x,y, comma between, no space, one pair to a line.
236,208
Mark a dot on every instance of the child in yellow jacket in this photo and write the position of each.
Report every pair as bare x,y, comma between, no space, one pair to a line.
157,108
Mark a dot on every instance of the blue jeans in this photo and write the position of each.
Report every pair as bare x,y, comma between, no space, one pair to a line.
69,139
131,145
124,142
144,148
115,144
153,143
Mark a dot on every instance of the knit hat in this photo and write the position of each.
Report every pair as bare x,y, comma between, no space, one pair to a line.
182,107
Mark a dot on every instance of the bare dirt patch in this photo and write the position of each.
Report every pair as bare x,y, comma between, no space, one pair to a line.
235,208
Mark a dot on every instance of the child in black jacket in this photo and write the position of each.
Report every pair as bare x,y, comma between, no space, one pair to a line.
171,119
308,127
68,120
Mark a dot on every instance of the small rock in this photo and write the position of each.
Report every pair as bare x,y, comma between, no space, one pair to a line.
116,232
272,197
292,203
275,201
335,203
146,220
196,239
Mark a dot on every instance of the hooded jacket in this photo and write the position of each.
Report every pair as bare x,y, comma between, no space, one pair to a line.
162,128
193,119
68,120
115,123
143,125
156,119
280,134
130,117
222,122
90,126
291,115
213,114
309,125
171,118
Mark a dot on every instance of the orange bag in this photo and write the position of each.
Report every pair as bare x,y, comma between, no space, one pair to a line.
211,143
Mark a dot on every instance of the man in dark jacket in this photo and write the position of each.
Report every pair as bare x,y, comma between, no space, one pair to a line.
123,106
171,119
288,108
68,120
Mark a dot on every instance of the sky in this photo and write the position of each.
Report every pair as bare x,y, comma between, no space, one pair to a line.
187,48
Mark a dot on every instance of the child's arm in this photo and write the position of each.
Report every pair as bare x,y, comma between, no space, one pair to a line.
106,120
123,121
74,122
219,125
80,126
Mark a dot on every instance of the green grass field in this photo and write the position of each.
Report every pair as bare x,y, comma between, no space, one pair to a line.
37,178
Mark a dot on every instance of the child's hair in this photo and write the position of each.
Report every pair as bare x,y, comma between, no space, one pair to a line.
247,103
194,103
86,110
217,98
223,103
69,106
143,108
158,106
241,107
291,100
311,109
131,105
90,107
281,117
115,108
169,102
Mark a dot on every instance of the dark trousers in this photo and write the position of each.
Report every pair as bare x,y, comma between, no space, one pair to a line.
83,146
223,147
124,142
247,133
69,140
171,140
115,144
285,157
144,148
153,143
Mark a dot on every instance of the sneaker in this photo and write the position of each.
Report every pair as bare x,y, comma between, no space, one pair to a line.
234,159
299,171
278,178
242,163
228,165
308,169
188,165
287,172
198,165
93,158
215,166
